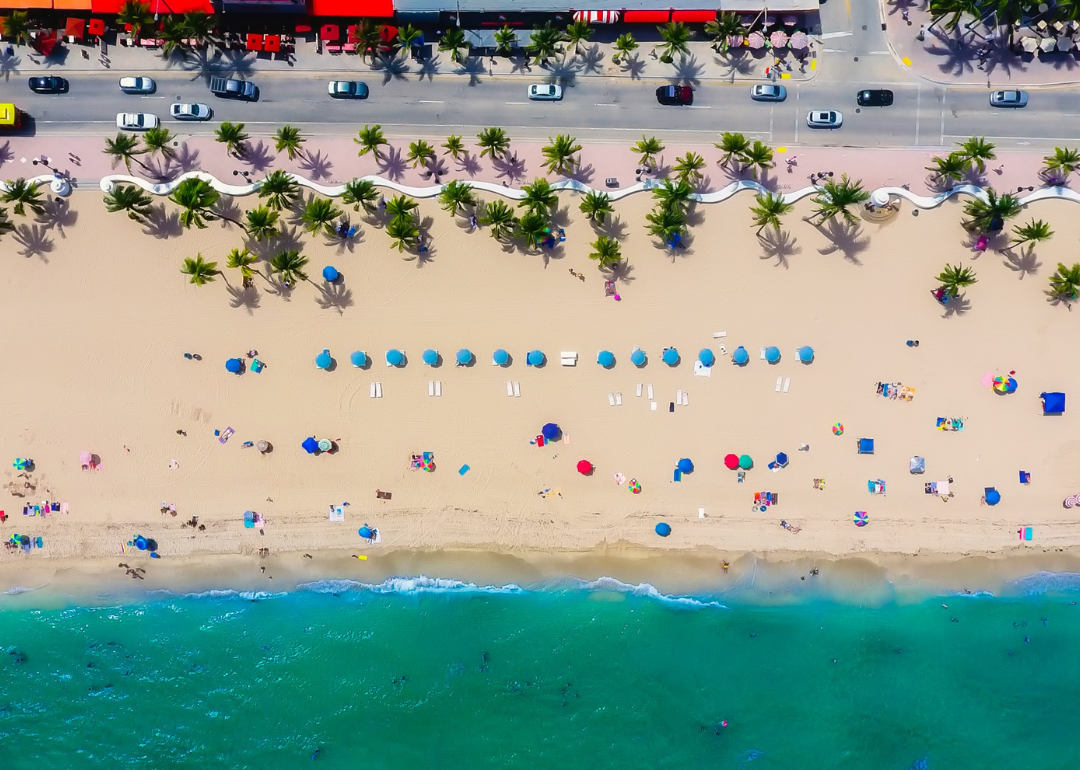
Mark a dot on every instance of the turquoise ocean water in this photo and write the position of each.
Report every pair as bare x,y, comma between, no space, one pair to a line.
418,673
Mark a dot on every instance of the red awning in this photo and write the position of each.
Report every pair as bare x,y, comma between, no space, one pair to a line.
352,8
75,28
649,17
97,26
388,33
106,6
272,44
694,16
180,6
254,42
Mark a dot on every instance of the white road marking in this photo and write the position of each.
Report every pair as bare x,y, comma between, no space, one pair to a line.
831,35
699,107
515,102
430,101
918,112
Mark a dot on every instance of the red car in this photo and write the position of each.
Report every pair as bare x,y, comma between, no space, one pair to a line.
675,95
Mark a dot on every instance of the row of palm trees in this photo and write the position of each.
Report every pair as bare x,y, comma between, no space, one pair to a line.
973,154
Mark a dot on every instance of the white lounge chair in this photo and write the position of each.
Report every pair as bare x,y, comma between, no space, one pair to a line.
611,399
438,388
431,389
517,389
568,358
779,383
787,383
618,398
509,389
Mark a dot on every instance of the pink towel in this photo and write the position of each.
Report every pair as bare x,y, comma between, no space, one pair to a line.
988,380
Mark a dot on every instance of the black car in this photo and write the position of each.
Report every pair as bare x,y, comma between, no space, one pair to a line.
675,95
48,85
875,98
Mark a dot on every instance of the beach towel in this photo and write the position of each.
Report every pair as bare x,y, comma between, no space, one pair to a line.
337,513
225,435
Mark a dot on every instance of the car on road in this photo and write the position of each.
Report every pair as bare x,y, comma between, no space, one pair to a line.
232,88
824,119
768,92
545,92
675,95
879,97
136,121
1008,98
347,89
190,111
48,85
137,85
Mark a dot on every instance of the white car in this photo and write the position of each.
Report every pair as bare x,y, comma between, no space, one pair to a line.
824,119
545,92
190,111
136,121
768,92
137,85
1008,99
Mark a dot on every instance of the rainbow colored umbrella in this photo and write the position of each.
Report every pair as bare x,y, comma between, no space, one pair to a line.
860,518
634,487
837,429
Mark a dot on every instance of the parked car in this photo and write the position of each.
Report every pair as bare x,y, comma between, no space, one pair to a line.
190,111
137,85
768,92
1008,98
675,95
824,119
231,88
48,85
136,121
880,97
347,89
545,92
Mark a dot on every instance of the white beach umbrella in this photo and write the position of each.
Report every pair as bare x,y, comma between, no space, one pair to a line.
1065,43
1047,44
1030,44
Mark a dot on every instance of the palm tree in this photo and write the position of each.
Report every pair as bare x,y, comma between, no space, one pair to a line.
131,199
1033,232
837,198
951,167
954,10
758,157
673,196
539,197
533,228
420,153
954,278
606,252
158,139
262,223
688,168
6,225
454,147
545,43
368,38
319,214
734,147
1065,283
453,40
647,149
675,36
493,142
289,265
232,136
124,147
279,189
288,139
135,13
664,222
173,35
457,195
624,46
370,138
578,32
361,192
16,27
199,272
196,198
407,36
989,216
505,40
976,151
500,218
404,234
596,206
200,27
768,210
242,260
1063,160
727,25
560,154
401,208
25,196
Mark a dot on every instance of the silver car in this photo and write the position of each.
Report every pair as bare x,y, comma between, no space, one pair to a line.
545,92
768,92
137,85
1008,98
190,111
347,89
824,119
136,121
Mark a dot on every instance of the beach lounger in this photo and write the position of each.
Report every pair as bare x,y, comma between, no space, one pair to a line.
1025,477
509,389
701,513
719,335
723,349
431,388
678,398
517,389
378,390
650,393
225,435
568,358
763,352
685,398
611,399
652,405
639,390
787,384
383,495
779,383
438,388
618,399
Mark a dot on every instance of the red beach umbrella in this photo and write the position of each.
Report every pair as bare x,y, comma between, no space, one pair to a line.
731,462
584,467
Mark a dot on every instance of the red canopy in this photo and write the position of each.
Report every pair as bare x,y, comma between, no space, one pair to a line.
75,28
254,42
731,462
584,467
272,44
387,33
46,43
97,26
330,33
694,16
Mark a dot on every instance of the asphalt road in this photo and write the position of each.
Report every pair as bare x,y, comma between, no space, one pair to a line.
594,108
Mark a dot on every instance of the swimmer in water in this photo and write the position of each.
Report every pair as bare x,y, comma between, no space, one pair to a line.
315,755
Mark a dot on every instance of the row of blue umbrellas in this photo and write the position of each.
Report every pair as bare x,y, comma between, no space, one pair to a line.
772,354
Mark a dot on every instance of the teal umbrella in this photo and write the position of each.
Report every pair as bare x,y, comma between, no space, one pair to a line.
746,462
637,358
606,359
394,357
535,358
806,354
772,354
323,360
671,356
358,358
430,357
464,357
501,357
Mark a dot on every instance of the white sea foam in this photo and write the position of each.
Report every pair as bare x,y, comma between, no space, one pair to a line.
420,584
647,590
1046,582
19,590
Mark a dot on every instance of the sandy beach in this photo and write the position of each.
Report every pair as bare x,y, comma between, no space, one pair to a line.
97,365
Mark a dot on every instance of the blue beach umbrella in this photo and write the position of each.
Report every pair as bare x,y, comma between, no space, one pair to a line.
464,357
234,365
535,358
606,359
671,356
781,459
740,356
330,273
806,354
685,466
358,358
323,359
365,532
993,497
550,431
707,357
141,543
663,529
501,357
394,357
430,357
637,357
310,445
772,354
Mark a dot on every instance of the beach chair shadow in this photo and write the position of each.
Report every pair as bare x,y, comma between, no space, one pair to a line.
846,239
778,245
316,165
34,239
334,296
247,298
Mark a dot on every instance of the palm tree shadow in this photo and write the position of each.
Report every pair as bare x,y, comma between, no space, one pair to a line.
316,165
436,168
560,216
393,68
58,214
473,66
956,306
1056,299
221,63
584,173
632,66
592,59
6,153
735,64
845,238
392,164
429,68
279,289
258,156
162,223
623,271
1024,263
342,245
245,297
613,226
9,65
334,296
469,164
228,208
564,71
35,241
520,63
287,239
513,168
688,71
778,245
